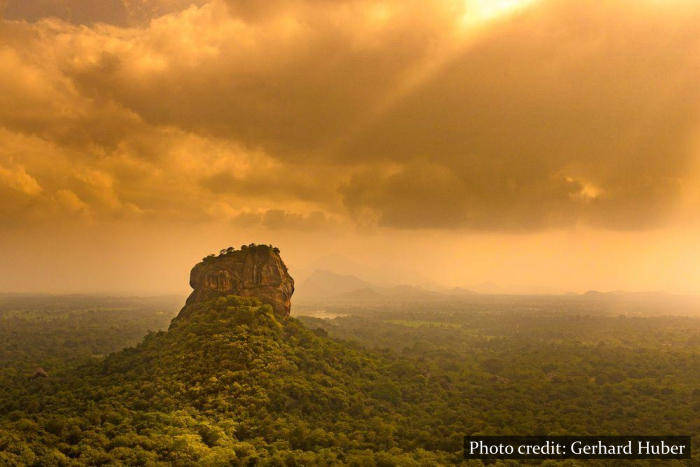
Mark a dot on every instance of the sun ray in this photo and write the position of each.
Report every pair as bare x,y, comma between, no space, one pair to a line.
478,15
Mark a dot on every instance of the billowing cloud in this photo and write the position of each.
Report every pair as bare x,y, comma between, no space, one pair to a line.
89,12
278,219
307,114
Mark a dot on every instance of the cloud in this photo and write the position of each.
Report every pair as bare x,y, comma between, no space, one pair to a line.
289,81
564,94
424,194
70,201
279,219
89,12
18,179
287,114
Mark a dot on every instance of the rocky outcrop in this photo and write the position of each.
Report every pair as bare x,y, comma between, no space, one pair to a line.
253,271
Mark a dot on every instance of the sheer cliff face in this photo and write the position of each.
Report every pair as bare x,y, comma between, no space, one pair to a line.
252,272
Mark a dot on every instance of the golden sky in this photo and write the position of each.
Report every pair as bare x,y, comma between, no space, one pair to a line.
541,145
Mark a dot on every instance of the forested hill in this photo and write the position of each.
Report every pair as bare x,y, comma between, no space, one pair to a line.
237,383
233,382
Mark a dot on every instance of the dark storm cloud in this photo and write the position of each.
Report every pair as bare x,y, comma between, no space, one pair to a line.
428,195
290,80
395,113
572,114
77,11
89,12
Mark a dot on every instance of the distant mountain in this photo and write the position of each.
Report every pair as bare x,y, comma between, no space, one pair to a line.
594,293
624,295
323,284
454,291
378,274
396,293
489,287
326,285
409,292
364,294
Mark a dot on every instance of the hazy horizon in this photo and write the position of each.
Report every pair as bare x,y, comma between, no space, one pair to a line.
544,146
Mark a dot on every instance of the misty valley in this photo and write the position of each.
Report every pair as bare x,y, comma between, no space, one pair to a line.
373,382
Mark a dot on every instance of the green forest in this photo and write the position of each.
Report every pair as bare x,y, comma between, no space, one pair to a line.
236,384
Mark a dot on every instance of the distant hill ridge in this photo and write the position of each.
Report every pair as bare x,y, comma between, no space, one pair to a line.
323,283
328,285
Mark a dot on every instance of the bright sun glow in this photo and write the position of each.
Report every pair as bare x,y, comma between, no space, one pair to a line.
481,11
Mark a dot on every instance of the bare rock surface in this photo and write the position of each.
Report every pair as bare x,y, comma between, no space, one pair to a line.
253,271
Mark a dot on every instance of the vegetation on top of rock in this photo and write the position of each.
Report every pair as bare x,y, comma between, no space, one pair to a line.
231,250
